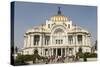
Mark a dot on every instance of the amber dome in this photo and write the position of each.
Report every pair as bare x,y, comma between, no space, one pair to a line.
59,17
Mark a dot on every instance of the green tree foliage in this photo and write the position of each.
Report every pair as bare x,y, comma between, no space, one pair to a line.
16,49
96,45
80,50
23,58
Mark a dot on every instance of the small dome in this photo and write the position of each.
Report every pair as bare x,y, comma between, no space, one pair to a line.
59,17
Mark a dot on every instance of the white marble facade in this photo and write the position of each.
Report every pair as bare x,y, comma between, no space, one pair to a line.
57,37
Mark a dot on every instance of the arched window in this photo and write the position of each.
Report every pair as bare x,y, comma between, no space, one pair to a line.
70,39
68,25
58,31
79,38
36,39
48,25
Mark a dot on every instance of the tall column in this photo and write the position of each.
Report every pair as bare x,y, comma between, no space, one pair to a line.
40,40
73,40
28,43
24,41
51,40
76,43
31,40
43,39
66,39
88,40
82,39
27,40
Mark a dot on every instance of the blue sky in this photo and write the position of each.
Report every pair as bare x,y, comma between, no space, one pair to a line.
28,14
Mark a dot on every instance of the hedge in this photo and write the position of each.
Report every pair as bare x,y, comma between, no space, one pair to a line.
87,55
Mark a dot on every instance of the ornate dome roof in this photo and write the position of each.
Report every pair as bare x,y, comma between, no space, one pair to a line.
59,17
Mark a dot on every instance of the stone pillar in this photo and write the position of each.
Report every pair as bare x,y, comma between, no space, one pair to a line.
73,40
89,41
88,38
66,40
83,38
31,40
76,43
28,42
40,40
43,39
51,40
24,41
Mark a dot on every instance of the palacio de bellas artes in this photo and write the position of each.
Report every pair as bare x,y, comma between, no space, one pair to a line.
57,40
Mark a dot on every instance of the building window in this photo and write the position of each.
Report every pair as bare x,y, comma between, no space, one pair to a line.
79,39
59,41
48,25
47,39
70,39
68,25
36,39
56,41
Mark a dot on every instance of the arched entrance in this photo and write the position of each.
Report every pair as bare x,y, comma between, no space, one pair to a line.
58,39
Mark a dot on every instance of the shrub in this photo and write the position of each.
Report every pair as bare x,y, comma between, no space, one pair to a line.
87,55
90,55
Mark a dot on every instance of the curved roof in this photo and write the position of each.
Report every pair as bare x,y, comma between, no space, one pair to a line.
59,17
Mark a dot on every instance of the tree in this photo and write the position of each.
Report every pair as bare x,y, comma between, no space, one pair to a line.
79,53
16,49
95,45
80,50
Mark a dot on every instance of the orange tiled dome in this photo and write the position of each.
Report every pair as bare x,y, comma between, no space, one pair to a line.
59,18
